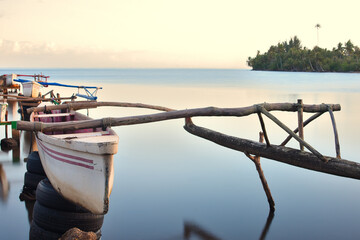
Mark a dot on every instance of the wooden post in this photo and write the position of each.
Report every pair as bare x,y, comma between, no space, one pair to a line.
16,152
337,144
6,128
300,123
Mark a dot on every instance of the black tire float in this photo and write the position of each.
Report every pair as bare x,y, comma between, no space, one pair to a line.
34,165
38,233
60,221
47,196
31,180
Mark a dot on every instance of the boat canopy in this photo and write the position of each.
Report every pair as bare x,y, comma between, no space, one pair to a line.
90,95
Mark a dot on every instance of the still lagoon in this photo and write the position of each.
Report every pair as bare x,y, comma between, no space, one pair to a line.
166,178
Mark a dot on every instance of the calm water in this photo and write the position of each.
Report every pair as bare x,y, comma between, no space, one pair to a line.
165,177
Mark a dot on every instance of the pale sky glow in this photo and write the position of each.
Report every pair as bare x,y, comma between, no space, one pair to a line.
164,33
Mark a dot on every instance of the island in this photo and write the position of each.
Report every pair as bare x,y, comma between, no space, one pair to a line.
292,56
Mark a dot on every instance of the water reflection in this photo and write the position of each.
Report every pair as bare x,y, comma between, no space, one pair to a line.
194,229
267,225
29,205
136,188
4,185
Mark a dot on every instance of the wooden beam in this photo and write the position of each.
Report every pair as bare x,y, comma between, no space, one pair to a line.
87,104
243,111
335,166
171,114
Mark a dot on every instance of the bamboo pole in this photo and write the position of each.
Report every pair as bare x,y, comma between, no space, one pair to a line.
288,130
337,144
335,166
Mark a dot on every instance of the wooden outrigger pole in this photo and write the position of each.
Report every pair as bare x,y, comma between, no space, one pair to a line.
312,160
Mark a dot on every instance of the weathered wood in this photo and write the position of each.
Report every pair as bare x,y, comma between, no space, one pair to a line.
301,122
256,161
8,144
288,130
171,114
337,144
14,96
335,166
239,112
87,104
39,99
309,120
264,129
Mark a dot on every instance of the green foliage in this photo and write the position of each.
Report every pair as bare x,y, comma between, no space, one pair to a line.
291,56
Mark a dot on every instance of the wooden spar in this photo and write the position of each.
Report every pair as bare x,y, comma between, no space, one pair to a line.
335,166
283,126
301,123
31,99
263,129
40,99
195,112
85,105
14,96
309,120
239,112
337,144
256,161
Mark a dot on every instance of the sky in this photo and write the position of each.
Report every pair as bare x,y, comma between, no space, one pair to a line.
164,33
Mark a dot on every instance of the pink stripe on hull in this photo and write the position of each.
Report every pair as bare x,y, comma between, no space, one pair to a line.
50,151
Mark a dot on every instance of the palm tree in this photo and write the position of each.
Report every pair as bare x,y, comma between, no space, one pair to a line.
317,27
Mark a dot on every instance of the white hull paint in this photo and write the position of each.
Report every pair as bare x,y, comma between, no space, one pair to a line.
80,166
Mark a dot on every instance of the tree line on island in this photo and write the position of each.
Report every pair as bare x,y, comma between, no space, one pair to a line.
291,56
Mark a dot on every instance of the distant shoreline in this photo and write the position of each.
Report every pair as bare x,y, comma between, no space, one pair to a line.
292,57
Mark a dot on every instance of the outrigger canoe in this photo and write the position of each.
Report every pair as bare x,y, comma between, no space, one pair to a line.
79,164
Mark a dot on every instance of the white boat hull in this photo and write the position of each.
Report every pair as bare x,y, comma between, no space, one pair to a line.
80,166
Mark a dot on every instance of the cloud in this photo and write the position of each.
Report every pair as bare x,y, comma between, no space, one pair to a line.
50,55
29,54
